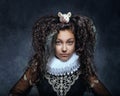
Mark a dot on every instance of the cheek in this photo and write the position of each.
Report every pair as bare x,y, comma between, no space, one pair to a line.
57,49
72,48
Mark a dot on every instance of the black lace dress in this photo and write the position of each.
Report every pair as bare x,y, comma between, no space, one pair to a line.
64,85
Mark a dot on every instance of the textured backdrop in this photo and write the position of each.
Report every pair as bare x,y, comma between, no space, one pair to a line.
18,16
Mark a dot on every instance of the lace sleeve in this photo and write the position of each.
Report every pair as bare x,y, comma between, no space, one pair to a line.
25,83
98,87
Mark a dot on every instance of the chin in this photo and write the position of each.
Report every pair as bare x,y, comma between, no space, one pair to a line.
64,60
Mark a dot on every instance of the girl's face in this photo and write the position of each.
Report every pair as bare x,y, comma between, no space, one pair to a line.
64,45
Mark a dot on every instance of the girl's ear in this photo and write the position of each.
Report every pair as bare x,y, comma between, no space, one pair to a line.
69,14
59,14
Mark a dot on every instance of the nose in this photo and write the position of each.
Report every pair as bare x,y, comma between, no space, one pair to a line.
64,48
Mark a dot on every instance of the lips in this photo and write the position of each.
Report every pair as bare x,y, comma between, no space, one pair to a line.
64,55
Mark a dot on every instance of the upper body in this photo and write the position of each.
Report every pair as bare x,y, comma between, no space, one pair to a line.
63,60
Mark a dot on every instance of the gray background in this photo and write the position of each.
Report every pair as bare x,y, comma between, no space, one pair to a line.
18,16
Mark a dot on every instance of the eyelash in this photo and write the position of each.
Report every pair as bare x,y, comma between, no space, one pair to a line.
70,42
57,42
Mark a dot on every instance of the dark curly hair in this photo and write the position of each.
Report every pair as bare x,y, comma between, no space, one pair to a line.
84,31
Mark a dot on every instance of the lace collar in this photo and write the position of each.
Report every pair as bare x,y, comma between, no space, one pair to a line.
58,67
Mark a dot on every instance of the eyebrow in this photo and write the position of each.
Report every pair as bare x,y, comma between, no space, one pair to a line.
67,39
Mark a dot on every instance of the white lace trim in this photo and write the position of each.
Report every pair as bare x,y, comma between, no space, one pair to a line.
58,67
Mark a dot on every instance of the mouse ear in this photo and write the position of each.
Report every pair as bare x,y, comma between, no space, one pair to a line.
69,14
59,14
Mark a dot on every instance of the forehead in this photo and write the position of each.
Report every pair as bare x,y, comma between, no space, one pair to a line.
65,34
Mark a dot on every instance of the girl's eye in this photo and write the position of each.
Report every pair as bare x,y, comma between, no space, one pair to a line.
70,42
58,42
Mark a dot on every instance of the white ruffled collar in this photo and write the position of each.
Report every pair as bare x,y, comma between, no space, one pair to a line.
58,67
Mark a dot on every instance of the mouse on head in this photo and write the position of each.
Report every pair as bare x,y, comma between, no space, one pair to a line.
64,18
